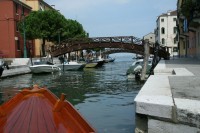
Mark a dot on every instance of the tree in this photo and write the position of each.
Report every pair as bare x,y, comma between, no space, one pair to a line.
45,25
50,25
74,29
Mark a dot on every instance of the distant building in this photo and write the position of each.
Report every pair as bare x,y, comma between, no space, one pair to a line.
166,31
188,23
150,37
11,42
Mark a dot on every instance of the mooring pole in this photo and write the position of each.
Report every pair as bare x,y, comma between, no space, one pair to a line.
146,58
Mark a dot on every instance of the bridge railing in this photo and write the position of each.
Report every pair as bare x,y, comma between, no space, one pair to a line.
79,41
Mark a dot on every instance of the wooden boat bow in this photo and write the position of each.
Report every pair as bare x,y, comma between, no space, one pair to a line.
39,110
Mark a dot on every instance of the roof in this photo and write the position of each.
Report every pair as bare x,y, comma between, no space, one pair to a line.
149,34
21,3
169,13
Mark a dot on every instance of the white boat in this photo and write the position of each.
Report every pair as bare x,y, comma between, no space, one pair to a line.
140,62
44,68
69,66
136,68
109,59
91,65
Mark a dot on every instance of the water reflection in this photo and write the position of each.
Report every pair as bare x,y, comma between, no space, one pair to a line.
104,96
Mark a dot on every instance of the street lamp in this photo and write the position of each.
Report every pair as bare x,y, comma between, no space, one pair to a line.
24,36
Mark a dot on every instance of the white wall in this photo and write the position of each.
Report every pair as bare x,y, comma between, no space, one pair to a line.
169,35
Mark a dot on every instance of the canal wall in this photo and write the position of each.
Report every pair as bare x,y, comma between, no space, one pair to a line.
169,101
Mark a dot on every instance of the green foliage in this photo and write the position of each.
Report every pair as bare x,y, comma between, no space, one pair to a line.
42,24
188,7
49,25
74,29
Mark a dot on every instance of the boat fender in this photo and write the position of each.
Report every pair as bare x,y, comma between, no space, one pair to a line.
60,103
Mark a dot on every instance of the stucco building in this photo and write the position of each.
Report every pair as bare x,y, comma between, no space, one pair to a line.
37,5
150,37
166,31
11,42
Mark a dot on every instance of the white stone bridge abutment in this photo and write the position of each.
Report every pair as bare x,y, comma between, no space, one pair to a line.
169,101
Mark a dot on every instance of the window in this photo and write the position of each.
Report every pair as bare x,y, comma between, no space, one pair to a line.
175,30
17,26
23,11
175,49
16,8
163,41
41,7
174,19
18,45
163,30
162,20
175,40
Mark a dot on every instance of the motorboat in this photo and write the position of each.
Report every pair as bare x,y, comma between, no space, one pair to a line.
91,64
136,68
140,62
37,110
109,59
72,65
100,62
44,67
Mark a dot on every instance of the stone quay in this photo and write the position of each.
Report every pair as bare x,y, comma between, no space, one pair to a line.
169,101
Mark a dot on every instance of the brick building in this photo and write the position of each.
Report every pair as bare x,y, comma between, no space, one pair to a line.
11,42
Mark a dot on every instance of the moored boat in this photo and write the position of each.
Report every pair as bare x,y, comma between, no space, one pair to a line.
136,68
91,65
39,110
43,67
109,59
69,66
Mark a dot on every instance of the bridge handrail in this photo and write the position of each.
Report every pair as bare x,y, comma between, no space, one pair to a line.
79,41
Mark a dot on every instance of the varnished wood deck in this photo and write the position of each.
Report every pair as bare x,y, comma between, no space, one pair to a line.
39,111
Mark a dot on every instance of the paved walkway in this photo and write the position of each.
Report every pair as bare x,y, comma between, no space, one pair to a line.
171,98
193,65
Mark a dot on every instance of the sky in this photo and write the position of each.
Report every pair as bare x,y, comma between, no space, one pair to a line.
107,18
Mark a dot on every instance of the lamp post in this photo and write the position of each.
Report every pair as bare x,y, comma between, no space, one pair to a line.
24,36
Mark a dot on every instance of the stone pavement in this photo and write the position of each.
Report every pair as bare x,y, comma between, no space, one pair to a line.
170,99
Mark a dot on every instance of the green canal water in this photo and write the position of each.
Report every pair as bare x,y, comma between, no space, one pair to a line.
104,95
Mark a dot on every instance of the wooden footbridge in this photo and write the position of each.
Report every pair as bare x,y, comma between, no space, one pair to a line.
129,43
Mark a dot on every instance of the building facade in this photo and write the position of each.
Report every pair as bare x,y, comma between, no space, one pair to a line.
12,43
188,24
166,31
38,5
150,37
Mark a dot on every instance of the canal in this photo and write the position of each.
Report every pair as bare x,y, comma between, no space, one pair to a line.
104,95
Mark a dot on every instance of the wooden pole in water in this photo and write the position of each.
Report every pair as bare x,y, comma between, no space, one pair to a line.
146,58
